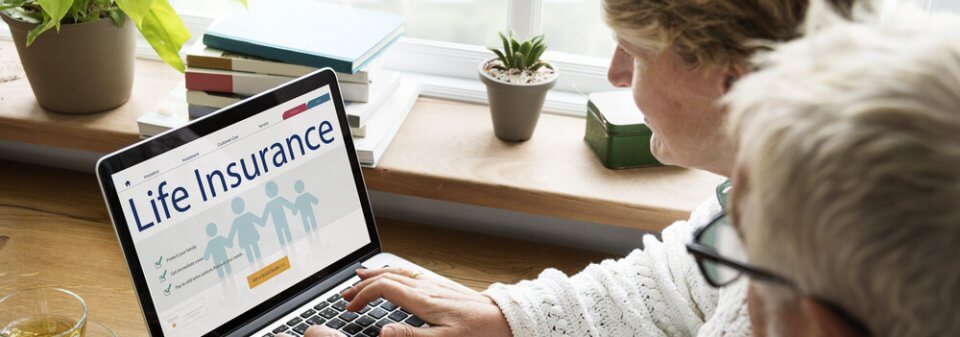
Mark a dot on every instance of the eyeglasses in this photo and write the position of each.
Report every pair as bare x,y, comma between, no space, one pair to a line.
720,254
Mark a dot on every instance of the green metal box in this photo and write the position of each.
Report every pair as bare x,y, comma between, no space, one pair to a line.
616,132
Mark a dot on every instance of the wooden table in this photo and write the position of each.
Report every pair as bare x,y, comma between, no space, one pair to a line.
55,231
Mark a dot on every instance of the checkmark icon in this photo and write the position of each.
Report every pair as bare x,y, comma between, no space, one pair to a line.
163,277
159,263
166,292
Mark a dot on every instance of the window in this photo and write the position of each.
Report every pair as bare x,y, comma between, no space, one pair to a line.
473,22
577,27
446,39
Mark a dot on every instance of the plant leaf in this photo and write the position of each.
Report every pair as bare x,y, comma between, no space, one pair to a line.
19,13
518,61
137,10
5,5
42,27
56,9
534,54
506,44
499,55
165,31
117,16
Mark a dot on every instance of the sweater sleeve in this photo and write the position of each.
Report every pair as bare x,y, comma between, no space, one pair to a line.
656,291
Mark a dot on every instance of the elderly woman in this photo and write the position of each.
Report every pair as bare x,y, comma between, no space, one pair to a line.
680,57
847,188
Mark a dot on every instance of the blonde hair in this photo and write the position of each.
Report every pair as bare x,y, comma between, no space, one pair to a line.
850,143
723,33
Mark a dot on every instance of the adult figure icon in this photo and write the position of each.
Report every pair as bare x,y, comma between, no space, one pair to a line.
275,210
217,250
304,205
245,229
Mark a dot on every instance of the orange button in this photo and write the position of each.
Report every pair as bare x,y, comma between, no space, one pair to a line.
268,272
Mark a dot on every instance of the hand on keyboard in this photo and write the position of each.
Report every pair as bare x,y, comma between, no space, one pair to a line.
449,308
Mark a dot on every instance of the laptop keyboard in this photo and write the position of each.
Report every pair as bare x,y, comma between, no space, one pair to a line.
333,314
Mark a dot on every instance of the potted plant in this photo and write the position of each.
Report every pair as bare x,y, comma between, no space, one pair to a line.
517,83
86,63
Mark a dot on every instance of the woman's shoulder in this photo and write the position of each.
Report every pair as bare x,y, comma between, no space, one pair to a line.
701,216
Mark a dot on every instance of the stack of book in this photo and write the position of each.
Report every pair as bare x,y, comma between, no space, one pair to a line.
274,42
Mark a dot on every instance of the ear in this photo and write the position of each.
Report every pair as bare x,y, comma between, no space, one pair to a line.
825,322
730,77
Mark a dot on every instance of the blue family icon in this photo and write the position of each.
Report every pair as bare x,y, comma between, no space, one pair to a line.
304,205
245,229
217,250
275,209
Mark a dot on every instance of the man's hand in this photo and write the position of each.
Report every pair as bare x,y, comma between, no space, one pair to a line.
449,308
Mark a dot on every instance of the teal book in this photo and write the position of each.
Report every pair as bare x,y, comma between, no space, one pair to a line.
307,32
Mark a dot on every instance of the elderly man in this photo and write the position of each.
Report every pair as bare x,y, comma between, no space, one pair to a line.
845,213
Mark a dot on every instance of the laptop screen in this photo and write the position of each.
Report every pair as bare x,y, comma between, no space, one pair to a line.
230,219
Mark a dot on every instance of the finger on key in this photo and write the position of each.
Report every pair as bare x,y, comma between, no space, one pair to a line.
355,304
350,293
396,292
403,330
368,273
321,331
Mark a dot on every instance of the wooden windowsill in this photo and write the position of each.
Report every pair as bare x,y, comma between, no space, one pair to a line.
445,150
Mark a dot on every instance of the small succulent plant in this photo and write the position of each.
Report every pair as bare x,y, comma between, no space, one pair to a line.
519,55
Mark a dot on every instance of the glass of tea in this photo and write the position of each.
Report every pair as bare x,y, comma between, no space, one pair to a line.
42,312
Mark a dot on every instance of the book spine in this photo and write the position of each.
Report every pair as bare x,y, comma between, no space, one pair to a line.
209,82
210,62
265,67
275,53
204,99
355,92
240,84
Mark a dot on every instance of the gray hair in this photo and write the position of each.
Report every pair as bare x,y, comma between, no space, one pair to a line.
849,140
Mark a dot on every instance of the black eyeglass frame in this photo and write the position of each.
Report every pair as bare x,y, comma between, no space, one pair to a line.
703,252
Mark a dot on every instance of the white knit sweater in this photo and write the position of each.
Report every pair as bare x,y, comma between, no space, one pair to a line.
657,291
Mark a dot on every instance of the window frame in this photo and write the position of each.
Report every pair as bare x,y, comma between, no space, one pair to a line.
449,70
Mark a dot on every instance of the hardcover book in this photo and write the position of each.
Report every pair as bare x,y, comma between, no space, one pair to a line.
307,32
201,56
249,84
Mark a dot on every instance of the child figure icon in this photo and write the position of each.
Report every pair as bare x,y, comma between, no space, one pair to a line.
244,228
217,250
304,205
276,210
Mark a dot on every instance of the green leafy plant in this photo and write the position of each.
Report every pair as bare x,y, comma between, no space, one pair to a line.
520,55
156,20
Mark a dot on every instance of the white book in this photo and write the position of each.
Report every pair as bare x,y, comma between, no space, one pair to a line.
173,111
249,84
358,113
389,118
170,112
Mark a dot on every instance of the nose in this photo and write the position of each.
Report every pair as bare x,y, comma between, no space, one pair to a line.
620,73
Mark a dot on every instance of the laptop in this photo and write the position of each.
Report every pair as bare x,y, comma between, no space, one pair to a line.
252,220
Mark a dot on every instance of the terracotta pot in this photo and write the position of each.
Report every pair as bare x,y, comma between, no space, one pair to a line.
85,68
515,108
